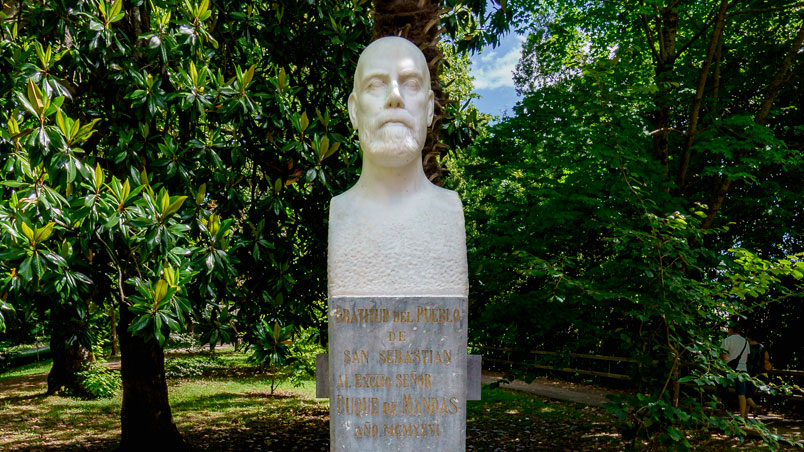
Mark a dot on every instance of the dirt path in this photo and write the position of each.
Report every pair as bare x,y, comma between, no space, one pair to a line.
559,390
593,396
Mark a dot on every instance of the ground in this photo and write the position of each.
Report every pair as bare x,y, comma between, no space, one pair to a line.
228,407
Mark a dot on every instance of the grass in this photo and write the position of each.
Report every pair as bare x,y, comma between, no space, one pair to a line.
228,407
535,423
28,369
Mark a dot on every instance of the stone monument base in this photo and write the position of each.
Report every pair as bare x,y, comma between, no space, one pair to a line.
398,374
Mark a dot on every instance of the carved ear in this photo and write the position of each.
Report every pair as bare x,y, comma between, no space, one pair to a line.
352,112
430,108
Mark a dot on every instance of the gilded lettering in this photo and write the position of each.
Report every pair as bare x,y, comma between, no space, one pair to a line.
357,406
343,382
372,381
372,315
355,357
428,405
411,430
414,380
367,430
437,315
395,356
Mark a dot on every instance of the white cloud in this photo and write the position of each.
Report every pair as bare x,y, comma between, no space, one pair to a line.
495,69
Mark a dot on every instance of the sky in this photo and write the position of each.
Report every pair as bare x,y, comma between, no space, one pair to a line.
492,70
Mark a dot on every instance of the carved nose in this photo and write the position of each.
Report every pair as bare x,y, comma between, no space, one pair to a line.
394,98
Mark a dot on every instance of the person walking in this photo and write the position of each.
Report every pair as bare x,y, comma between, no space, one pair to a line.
736,356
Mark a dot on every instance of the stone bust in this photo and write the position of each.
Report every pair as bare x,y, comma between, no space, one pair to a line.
394,233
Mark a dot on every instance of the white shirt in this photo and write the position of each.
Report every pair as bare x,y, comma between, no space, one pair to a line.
733,346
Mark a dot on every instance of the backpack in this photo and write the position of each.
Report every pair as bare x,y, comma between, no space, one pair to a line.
754,363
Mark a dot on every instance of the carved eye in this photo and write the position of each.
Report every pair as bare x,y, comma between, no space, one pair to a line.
375,84
412,84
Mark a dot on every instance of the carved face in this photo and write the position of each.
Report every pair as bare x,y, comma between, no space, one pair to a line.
391,105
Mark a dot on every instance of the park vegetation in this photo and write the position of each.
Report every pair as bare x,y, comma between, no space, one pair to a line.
168,165
646,188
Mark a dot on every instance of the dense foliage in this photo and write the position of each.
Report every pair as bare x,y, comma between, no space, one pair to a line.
642,193
173,160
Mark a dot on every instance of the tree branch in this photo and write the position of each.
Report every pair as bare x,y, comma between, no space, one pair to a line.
724,183
648,34
766,10
780,78
717,35
697,35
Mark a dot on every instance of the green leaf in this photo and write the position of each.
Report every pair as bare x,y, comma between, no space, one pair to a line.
27,232
117,6
55,258
14,183
140,323
249,75
164,202
99,179
35,97
304,122
60,123
25,270
175,206
160,290
202,192
44,233
202,8
332,149
323,147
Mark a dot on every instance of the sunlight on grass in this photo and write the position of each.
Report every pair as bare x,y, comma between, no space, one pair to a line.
28,369
238,398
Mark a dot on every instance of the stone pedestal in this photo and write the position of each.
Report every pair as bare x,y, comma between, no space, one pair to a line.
398,373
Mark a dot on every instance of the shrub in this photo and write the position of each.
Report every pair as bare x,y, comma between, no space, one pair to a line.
191,366
180,340
98,382
301,355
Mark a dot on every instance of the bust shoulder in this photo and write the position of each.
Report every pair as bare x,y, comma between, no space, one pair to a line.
431,198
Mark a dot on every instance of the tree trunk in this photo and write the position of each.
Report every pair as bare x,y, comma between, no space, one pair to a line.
115,351
145,418
67,359
418,21
723,184
667,35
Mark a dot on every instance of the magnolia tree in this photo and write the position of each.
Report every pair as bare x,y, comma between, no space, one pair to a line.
172,160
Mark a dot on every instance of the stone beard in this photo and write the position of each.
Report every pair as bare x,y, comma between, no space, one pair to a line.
390,137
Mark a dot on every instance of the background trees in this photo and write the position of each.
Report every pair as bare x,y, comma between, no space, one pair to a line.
641,192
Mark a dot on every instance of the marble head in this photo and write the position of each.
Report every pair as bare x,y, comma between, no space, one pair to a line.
391,104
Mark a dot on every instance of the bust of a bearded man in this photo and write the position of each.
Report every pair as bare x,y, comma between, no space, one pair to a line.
394,233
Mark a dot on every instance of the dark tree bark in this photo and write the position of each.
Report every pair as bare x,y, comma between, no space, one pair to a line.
418,21
665,26
145,418
115,351
67,359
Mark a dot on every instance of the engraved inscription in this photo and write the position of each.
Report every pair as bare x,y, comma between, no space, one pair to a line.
400,385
